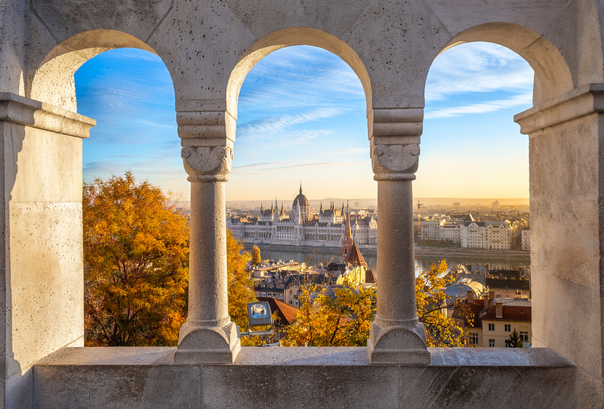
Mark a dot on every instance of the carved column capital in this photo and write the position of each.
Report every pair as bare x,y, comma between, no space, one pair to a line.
395,162
395,136
207,163
207,133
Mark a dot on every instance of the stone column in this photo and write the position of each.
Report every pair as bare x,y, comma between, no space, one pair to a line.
208,335
396,334
566,161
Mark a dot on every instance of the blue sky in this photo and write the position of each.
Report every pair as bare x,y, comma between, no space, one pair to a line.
302,119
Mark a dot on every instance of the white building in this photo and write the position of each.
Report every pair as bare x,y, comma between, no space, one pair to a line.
431,229
526,240
493,235
301,227
451,232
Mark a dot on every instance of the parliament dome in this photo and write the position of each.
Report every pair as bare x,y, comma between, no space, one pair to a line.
300,200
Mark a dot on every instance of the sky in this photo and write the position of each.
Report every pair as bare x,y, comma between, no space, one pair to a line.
301,119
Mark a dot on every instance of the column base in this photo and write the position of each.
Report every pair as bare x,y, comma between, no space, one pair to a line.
207,344
401,345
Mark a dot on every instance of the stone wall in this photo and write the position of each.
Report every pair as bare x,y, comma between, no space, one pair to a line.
305,377
209,47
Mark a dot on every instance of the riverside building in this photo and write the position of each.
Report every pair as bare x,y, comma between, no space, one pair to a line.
303,228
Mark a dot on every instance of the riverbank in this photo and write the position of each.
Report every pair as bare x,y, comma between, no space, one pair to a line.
419,251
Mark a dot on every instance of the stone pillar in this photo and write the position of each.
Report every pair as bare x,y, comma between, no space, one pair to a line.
41,260
208,335
396,334
566,159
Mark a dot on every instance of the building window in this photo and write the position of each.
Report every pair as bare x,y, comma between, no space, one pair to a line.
508,327
474,338
524,336
491,343
491,327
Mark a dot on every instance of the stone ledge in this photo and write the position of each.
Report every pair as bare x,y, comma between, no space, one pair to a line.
40,115
252,356
304,377
579,102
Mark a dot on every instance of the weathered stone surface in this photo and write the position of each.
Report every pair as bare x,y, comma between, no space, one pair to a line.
209,47
65,18
304,377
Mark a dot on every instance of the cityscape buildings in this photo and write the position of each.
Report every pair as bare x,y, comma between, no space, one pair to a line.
301,227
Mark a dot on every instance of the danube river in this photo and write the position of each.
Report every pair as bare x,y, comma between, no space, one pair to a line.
313,256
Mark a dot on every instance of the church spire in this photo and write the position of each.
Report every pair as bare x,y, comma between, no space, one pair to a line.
300,187
276,212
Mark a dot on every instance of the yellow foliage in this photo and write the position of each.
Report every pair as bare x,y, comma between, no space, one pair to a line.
136,256
241,286
344,320
432,305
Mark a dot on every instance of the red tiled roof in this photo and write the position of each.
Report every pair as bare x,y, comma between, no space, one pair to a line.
286,313
355,256
474,314
510,313
369,276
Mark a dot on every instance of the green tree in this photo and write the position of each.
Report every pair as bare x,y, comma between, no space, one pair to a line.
256,257
514,340
136,263
432,305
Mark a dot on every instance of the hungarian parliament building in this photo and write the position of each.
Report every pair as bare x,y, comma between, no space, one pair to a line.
301,227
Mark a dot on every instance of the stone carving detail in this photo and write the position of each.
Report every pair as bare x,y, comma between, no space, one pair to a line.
207,160
397,158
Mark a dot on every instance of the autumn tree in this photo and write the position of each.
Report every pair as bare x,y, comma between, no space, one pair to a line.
341,320
345,319
241,286
514,340
256,257
136,263
432,305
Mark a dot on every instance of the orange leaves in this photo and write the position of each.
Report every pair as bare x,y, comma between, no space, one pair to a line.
343,320
432,306
136,263
241,286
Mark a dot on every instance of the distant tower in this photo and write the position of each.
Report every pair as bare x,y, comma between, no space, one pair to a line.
298,215
301,206
276,212
347,240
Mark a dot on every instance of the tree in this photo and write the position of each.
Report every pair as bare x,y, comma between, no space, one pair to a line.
136,263
432,305
514,340
341,320
241,286
345,319
256,257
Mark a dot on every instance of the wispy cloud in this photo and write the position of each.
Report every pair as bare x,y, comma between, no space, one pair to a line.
278,130
268,167
479,67
481,108
347,151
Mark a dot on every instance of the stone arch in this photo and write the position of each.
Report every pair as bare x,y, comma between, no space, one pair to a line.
286,38
52,79
552,74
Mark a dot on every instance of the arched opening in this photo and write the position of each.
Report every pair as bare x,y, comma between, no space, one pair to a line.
126,87
285,38
301,136
51,79
485,153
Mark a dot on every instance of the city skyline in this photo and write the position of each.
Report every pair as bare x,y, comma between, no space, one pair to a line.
302,119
